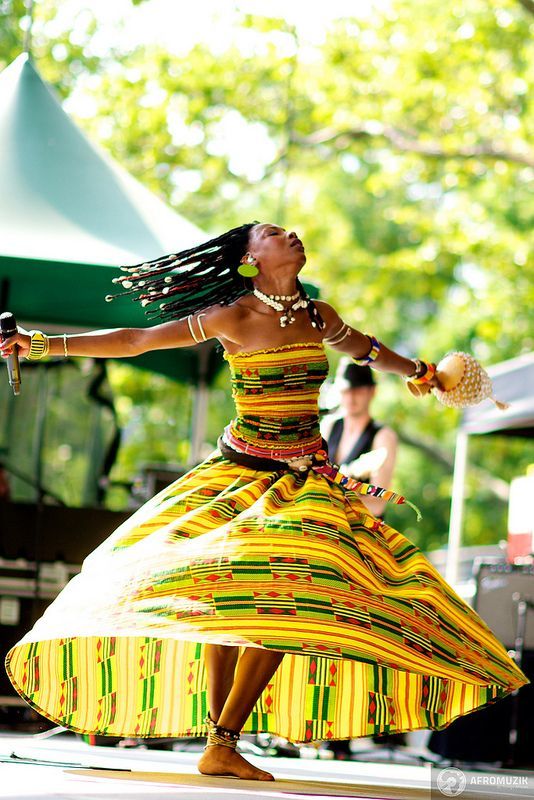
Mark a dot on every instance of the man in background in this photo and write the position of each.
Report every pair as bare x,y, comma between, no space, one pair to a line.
366,450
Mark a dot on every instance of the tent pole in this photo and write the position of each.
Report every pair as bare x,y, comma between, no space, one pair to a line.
4,294
457,508
200,408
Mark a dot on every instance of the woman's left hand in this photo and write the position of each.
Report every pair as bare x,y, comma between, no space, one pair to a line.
421,389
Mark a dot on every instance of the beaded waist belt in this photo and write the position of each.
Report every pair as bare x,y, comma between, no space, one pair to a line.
283,455
317,461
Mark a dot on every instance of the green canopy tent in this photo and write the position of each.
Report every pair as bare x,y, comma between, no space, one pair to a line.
69,216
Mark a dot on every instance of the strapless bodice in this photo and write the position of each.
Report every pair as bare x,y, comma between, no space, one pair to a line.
276,392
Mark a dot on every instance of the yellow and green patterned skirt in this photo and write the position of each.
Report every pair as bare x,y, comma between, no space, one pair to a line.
375,639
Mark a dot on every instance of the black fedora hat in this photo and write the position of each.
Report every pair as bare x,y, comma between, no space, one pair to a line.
350,376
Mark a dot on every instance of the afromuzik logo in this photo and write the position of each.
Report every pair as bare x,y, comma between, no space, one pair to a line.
451,782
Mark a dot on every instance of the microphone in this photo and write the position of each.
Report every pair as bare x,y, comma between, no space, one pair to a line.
8,327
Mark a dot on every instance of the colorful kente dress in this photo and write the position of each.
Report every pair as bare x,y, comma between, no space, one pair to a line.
375,639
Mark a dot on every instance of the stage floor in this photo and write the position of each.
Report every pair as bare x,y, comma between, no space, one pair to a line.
67,768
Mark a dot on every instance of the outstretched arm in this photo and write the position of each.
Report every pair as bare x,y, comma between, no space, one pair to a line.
127,342
356,344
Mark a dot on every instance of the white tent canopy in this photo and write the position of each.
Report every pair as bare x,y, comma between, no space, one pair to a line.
513,383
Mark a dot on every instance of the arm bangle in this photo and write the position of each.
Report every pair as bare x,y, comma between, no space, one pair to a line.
419,370
191,331
65,349
201,329
372,355
190,319
427,375
338,337
39,346
424,372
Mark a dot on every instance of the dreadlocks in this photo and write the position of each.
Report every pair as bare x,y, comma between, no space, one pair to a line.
201,276
195,279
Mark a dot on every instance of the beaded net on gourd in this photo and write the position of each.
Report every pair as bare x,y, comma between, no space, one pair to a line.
473,387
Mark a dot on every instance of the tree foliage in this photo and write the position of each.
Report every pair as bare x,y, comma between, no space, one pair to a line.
399,148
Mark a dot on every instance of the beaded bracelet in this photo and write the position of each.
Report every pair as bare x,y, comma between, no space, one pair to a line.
420,369
422,376
372,355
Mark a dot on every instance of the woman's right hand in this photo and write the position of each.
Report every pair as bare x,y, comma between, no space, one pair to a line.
22,339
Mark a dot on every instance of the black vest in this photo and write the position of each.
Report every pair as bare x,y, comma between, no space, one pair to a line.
362,445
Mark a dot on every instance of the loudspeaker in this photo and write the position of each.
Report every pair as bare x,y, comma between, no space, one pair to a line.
496,583
54,533
483,735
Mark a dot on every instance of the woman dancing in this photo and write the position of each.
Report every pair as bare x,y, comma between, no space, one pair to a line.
256,592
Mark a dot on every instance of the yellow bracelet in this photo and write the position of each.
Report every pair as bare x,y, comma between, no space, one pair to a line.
39,346
426,376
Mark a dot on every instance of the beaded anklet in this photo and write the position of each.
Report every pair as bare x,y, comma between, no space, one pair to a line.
209,721
218,735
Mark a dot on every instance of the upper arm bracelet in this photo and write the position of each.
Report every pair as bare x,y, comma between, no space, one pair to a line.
341,334
201,329
372,355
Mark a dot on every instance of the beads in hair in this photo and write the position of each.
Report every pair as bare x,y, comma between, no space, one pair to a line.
190,280
313,312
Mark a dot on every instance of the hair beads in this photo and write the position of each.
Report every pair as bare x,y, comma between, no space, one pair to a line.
191,280
185,282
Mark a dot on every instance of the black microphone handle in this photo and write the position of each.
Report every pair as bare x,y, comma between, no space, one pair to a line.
8,327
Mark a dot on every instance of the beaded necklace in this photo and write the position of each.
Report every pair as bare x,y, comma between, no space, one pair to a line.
273,300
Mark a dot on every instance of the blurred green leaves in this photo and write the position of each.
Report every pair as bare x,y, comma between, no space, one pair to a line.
400,149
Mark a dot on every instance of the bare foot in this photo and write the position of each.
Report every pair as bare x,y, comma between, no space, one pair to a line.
220,760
